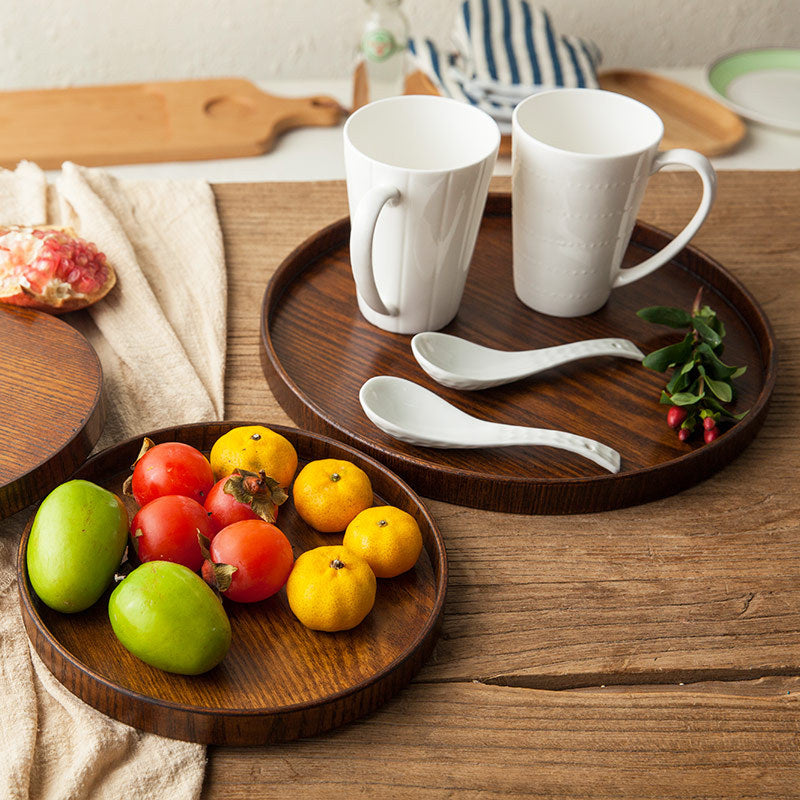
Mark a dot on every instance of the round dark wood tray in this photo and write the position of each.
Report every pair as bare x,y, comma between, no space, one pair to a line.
317,352
279,680
51,410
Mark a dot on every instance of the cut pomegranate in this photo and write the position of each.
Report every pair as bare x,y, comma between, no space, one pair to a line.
51,269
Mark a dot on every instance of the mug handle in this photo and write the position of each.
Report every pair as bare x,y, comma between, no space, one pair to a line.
700,164
362,232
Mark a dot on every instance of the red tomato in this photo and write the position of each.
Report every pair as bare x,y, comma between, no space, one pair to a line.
225,509
171,468
261,554
166,530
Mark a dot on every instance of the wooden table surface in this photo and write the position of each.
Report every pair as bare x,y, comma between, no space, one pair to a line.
650,652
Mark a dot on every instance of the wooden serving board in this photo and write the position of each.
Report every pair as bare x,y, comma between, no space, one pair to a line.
51,410
691,119
318,350
279,680
147,122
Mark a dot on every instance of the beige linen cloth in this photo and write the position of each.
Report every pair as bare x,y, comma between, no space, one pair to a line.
160,335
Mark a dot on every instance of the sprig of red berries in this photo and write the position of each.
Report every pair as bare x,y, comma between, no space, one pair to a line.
701,385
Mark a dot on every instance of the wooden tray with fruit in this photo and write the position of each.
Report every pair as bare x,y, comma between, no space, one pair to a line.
246,670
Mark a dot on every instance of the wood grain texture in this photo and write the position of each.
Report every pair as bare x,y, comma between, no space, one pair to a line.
279,680
51,409
315,372
470,740
149,122
691,119
706,582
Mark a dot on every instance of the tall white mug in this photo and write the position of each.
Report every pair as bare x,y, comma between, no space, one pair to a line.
581,159
418,170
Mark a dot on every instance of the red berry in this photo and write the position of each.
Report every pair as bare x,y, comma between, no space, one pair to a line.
709,423
710,434
684,434
675,416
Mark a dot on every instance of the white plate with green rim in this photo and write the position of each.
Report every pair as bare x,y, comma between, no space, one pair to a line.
762,85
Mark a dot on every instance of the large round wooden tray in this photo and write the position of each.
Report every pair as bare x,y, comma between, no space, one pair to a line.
318,351
51,410
279,680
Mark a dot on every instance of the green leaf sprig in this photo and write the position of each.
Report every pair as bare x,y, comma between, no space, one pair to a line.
701,384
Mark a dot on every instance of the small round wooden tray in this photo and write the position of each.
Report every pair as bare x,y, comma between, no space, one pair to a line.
51,410
691,119
279,680
318,351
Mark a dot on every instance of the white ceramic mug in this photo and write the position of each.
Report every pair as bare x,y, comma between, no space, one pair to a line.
581,162
418,170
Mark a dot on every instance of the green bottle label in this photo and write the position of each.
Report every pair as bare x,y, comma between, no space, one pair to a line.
379,45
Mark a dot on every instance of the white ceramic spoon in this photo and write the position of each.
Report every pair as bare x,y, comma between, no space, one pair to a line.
460,364
411,413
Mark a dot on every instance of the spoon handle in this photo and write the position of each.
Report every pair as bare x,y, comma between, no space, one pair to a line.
530,362
548,357
601,454
495,367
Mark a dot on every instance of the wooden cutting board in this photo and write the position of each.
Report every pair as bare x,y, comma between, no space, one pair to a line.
146,122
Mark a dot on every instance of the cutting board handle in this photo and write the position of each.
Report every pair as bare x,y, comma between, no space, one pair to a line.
235,110
297,112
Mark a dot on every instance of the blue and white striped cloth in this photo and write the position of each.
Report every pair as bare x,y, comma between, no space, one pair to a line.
502,51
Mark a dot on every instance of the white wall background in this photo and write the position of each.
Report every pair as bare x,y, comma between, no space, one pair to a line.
72,42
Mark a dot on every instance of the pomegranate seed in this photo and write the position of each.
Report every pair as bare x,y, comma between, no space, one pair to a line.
710,434
59,273
709,423
675,416
684,434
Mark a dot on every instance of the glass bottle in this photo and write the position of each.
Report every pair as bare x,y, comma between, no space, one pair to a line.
383,45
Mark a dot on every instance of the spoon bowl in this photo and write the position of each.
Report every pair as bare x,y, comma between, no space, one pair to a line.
413,414
461,364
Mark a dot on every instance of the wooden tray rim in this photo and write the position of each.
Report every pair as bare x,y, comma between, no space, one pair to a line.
499,204
440,576
723,116
95,416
